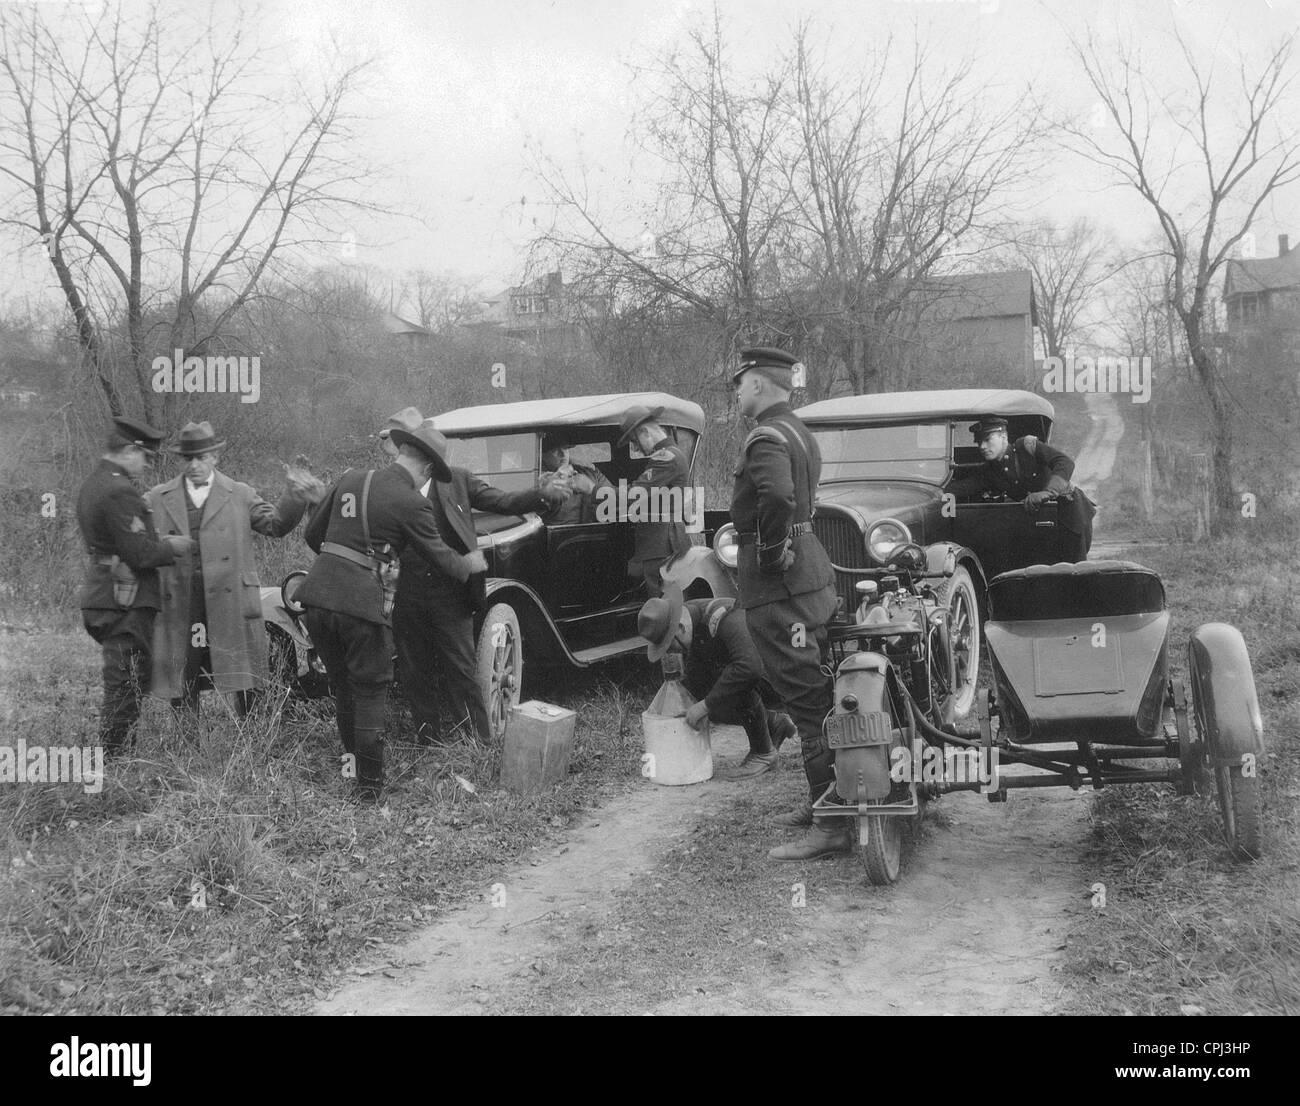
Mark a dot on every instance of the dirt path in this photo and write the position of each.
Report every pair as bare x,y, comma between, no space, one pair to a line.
1096,459
975,926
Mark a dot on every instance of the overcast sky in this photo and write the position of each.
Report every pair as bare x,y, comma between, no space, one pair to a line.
463,89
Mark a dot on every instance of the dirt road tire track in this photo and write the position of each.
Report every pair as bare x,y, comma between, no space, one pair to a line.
976,925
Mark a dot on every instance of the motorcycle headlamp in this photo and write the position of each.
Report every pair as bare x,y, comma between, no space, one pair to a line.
289,588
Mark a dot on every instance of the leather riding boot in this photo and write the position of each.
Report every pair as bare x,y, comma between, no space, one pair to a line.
370,764
801,815
828,835
781,727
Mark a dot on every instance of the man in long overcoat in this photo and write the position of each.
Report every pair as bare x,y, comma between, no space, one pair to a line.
209,633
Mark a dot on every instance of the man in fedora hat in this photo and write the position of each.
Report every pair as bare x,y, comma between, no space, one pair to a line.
363,525
1033,473
723,672
660,540
210,633
560,471
785,579
433,620
120,595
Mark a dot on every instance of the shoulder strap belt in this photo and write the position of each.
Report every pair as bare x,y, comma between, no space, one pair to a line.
348,554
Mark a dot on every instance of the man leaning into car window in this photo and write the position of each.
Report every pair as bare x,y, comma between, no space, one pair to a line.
560,471
1031,472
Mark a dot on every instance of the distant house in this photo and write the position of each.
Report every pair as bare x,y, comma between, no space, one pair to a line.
543,311
979,327
413,334
1255,289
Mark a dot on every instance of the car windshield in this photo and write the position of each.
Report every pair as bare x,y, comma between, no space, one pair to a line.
910,452
506,461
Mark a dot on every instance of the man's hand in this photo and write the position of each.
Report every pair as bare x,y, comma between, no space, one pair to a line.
696,715
475,562
1034,500
180,544
554,492
778,568
301,481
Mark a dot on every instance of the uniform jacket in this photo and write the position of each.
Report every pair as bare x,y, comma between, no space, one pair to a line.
668,468
1031,467
463,493
775,489
115,521
399,516
724,668
231,586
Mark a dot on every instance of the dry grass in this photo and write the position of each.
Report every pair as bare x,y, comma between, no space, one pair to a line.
236,876
1186,929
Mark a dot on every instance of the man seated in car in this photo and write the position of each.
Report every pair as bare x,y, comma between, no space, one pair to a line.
1034,473
559,470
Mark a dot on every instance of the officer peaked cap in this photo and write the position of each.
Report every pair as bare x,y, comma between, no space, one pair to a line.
775,364
137,432
985,427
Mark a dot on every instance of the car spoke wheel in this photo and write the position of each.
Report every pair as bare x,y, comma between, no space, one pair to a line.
958,595
500,666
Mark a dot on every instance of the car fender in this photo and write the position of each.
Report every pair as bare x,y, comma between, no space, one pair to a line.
1223,694
535,623
699,562
274,614
862,773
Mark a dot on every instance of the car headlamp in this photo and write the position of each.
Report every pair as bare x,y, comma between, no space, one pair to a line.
726,545
289,588
884,537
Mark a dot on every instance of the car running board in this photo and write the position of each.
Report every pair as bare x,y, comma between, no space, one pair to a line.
599,653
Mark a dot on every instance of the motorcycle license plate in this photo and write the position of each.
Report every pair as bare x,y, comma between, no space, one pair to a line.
850,731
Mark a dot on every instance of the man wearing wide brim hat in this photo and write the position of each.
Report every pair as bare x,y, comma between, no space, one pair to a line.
786,584
725,674
120,595
209,634
408,418
433,618
365,522
1033,473
660,540
660,621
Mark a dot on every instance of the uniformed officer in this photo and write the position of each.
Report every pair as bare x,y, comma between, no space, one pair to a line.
659,541
1034,473
120,596
560,471
364,523
786,582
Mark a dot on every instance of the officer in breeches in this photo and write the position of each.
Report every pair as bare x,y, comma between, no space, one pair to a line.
785,578
360,529
120,596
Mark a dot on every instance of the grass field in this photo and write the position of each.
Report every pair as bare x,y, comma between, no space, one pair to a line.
234,876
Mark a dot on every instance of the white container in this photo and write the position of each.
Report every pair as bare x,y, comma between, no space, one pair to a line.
675,754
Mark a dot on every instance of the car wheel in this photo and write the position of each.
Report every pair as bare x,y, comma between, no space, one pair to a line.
500,666
1239,805
958,595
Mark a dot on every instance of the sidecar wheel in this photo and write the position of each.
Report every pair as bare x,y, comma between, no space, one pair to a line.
1239,805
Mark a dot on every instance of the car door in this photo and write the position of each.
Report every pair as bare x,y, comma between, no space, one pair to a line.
586,561
1003,534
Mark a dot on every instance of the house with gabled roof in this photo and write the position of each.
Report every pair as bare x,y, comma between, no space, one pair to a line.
1257,288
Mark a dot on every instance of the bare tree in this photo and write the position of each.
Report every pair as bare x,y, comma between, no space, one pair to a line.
708,241
157,161
438,301
1069,268
1229,153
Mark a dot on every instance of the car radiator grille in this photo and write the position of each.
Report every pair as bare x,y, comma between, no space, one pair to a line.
842,540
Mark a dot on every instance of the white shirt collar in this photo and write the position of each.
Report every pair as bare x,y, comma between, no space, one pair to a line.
199,495
424,488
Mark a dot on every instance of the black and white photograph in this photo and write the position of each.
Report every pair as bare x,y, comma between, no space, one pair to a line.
650,507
